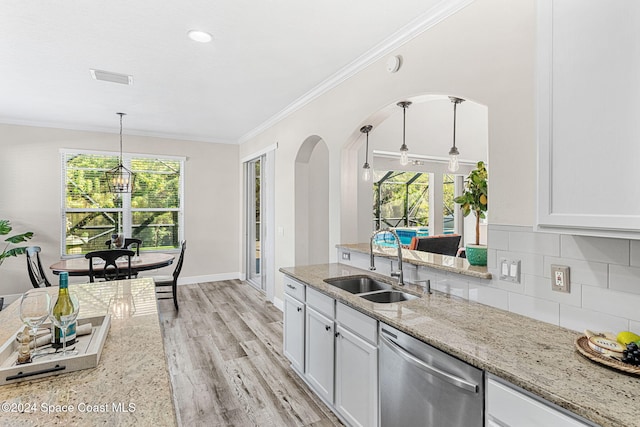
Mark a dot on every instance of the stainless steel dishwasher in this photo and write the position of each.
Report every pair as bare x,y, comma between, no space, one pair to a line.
423,386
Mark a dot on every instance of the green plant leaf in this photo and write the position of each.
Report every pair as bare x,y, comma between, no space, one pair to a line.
18,238
5,228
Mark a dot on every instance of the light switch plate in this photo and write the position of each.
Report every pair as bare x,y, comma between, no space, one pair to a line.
346,256
560,281
509,270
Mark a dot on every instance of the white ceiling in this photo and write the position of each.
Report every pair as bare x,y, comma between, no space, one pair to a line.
267,58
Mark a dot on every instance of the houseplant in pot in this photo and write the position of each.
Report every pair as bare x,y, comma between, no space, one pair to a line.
474,199
5,228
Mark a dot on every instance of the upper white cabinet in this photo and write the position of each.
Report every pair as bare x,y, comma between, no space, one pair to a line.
588,117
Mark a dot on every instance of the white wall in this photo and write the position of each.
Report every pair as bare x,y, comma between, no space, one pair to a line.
484,52
30,173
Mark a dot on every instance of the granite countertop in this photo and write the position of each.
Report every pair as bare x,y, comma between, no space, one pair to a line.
537,356
437,261
132,369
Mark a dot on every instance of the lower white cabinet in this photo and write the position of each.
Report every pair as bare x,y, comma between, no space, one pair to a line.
319,353
356,379
506,406
294,314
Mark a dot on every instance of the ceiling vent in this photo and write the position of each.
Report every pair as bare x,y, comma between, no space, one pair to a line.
108,76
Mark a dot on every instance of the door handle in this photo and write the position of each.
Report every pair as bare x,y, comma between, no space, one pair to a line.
432,370
299,308
327,328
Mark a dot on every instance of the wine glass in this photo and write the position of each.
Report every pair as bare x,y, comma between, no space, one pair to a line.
63,321
34,309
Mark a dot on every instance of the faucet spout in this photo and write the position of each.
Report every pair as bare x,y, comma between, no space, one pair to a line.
399,274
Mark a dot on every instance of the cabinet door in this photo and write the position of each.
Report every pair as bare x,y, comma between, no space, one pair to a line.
294,332
319,353
587,117
356,379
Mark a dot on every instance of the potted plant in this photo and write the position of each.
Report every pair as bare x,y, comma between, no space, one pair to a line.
474,199
5,228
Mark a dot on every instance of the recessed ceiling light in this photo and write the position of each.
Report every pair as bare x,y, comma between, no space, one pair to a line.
199,36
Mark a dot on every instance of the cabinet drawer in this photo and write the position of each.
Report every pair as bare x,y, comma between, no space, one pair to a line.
359,323
321,302
508,407
294,288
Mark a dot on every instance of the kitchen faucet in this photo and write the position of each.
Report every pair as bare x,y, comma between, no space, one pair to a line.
398,273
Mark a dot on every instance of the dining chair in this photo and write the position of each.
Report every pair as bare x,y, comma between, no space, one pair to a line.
34,267
163,282
128,242
111,270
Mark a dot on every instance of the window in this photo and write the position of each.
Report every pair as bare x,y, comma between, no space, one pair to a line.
153,212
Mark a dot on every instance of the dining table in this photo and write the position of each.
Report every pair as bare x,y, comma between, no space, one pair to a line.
144,261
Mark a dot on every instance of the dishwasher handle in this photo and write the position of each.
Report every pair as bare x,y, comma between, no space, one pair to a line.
445,376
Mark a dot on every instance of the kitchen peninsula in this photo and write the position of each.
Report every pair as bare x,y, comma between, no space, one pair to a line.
538,357
130,386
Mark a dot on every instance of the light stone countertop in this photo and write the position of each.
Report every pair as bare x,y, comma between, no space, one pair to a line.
132,368
437,261
537,356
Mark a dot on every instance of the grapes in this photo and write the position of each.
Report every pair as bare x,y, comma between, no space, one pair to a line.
632,354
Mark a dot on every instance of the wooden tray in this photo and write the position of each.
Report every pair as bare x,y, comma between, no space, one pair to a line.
582,346
89,349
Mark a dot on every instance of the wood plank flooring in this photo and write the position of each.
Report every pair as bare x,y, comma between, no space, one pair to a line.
224,351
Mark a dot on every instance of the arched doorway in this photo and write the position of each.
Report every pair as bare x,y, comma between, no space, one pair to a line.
312,202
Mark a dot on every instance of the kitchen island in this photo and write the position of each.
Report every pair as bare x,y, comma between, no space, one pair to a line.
130,386
538,357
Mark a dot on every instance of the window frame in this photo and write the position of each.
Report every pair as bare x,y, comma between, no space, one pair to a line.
126,208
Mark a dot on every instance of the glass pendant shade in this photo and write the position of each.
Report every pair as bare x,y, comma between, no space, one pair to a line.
120,179
404,150
366,172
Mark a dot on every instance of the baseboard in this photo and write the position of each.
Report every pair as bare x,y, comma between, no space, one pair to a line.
278,303
191,280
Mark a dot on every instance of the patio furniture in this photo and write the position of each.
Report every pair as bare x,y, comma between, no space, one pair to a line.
444,244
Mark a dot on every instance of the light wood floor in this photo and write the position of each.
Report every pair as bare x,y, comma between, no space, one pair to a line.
224,351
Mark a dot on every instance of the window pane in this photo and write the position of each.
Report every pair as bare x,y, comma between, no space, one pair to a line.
88,231
157,183
448,206
158,230
86,186
402,199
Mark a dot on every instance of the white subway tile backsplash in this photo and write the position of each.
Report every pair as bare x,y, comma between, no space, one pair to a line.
635,253
624,279
540,287
614,303
492,261
537,243
634,326
579,319
600,249
498,240
536,308
583,272
452,284
489,296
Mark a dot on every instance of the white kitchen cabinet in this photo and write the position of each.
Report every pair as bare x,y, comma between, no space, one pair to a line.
588,80
319,353
294,317
356,378
508,406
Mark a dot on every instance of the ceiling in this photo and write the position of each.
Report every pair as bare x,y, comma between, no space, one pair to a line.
267,58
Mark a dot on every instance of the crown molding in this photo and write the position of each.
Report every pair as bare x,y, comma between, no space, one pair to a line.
423,22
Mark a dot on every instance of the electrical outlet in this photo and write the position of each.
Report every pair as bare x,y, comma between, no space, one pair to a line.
560,278
346,256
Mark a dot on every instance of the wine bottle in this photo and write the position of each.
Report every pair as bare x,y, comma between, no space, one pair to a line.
63,307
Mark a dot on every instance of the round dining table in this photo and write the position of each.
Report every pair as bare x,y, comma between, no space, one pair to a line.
142,262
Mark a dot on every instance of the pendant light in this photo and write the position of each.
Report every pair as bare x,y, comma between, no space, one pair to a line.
366,169
120,179
404,150
453,153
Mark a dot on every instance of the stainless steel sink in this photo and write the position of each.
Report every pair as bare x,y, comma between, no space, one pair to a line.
386,297
358,284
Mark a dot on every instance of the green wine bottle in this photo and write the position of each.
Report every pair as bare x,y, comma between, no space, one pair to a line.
63,306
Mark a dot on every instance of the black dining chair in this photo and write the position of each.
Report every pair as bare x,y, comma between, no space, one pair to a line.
164,282
111,271
34,267
128,242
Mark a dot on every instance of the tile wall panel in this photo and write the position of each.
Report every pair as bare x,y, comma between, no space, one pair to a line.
624,279
600,249
583,272
579,319
536,308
